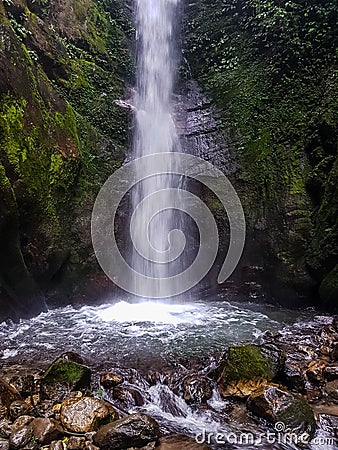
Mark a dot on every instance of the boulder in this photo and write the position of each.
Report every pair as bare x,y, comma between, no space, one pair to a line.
110,380
41,431
46,430
179,442
276,405
331,372
63,377
134,430
196,389
245,368
86,414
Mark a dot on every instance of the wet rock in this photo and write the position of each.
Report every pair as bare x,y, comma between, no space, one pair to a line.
46,430
72,357
57,445
315,371
135,430
331,372
294,377
5,429
19,408
63,377
196,389
110,380
332,389
277,405
76,443
179,442
20,437
86,414
24,384
244,368
334,353
90,446
127,397
8,394
45,408
4,444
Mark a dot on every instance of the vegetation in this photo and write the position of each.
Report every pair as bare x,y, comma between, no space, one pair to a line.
272,68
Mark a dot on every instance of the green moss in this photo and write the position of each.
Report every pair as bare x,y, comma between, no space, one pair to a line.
67,372
299,412
246,362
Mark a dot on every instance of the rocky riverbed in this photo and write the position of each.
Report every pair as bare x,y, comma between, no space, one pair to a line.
279,392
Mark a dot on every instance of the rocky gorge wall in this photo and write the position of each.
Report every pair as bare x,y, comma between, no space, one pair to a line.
62,66
271,70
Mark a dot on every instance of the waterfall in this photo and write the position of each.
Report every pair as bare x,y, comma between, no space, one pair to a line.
155,132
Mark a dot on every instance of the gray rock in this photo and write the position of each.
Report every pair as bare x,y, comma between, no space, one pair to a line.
134,430
196,389
110,379
20,437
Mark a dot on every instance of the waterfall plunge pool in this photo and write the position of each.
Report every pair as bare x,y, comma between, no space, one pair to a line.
146,333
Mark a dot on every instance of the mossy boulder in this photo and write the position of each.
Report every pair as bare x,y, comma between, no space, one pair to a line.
276,405
63,377
329,289
245,368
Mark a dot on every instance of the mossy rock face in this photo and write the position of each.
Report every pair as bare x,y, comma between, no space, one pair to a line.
245,368
63,377
277,405
329,289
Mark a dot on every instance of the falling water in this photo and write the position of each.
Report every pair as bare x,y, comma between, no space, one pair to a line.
155,132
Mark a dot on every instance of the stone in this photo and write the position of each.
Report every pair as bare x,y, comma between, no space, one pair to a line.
245,368
5,429
86,414
90,446
294,377
4,444
19,408
57,445
62,377
127,397
331,372
179,442
315,371
8,394
76,443
45,408
46,430
334,353
135,430
20,437
110,380
276,405
196,389
24,384
332,389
